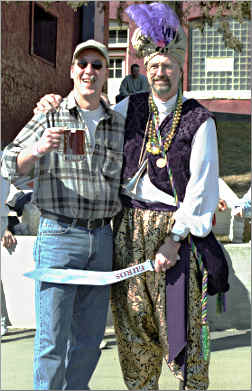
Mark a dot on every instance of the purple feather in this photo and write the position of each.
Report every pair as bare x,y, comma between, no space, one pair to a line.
156,21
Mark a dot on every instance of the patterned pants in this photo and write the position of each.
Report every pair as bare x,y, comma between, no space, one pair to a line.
138,306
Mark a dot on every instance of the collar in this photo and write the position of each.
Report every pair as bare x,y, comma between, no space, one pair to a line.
70,104
165,107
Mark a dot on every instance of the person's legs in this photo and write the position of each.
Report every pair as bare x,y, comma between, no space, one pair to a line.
54,307
139,349
89,317
4,225
4,314
54,303
64,311
138,304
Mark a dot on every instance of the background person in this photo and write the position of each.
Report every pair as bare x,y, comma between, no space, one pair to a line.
8,241
240,208
244,207
77,199
228,199
9,192
133,83
5,188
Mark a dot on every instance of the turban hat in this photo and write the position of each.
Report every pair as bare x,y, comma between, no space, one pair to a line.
159,32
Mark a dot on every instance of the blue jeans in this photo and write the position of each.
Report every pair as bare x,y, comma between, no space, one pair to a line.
70,319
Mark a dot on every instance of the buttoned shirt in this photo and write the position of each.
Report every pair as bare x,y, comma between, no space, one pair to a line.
86,188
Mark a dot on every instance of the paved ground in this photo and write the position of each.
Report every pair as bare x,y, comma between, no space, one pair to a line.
229,370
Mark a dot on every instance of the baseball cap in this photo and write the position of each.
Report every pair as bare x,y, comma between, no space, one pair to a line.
91,44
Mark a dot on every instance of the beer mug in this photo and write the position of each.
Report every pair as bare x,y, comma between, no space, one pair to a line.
73,144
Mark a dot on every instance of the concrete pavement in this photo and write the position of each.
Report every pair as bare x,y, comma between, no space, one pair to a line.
230,366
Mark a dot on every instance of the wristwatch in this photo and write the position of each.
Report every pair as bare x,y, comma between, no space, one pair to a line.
175,237
35,151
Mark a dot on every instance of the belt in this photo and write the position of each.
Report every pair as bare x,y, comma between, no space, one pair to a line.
88,224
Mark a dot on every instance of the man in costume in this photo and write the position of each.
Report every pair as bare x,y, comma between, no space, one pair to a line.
169,195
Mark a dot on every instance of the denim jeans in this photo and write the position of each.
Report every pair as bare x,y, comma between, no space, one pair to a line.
70,319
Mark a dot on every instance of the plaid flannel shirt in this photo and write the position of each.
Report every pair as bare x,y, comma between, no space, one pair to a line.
87,188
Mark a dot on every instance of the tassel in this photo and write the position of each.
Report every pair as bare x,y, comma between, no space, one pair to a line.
220,303
205,341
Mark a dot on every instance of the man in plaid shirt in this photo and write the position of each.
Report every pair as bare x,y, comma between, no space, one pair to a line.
77,197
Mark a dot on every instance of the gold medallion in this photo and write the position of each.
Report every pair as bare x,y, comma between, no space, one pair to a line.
161,162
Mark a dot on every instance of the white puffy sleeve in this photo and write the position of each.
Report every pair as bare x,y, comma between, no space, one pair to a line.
202,192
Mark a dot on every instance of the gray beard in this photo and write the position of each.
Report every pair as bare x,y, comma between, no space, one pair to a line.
161,91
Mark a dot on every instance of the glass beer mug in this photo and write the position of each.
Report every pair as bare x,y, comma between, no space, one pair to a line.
73,144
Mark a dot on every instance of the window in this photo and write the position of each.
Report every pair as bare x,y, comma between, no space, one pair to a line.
44,34
115,68
215,67
118,36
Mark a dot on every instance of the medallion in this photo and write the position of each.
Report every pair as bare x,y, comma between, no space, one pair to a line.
161,162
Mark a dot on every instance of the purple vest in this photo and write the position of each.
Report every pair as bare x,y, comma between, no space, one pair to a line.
193,115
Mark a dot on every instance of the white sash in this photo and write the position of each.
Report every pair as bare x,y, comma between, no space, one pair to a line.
87,277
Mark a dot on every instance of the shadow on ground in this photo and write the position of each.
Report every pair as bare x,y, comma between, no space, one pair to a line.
231,342
18,335
217,343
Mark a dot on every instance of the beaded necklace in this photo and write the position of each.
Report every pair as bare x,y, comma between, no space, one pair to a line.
155,145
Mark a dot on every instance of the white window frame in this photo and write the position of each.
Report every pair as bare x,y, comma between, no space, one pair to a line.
218,94
113,25
117,57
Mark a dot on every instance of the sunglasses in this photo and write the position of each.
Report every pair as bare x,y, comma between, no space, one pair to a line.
97,64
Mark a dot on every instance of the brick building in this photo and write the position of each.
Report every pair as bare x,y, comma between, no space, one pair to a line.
38,41
37,47
215,75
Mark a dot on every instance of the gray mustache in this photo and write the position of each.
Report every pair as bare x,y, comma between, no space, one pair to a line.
162,79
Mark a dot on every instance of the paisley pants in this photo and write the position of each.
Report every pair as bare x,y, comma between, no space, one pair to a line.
138,306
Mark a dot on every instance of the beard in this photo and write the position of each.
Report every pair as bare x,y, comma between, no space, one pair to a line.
161,90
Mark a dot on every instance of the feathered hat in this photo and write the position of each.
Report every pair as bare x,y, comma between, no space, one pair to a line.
159,32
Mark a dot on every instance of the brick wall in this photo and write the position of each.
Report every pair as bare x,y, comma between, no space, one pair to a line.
25,78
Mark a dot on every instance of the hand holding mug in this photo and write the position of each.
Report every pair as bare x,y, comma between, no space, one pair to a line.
50,140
